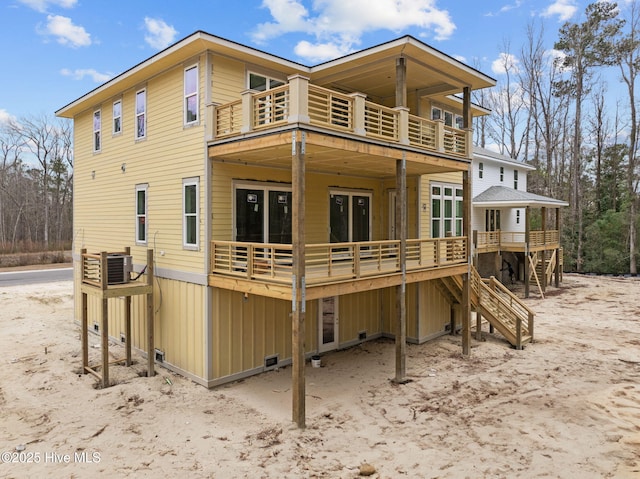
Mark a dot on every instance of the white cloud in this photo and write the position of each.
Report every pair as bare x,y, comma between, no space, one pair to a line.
5,117
43,5
338,25
564,9
159,34
80,74
66,32
505,62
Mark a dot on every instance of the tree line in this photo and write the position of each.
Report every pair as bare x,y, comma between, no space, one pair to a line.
36,184
553,110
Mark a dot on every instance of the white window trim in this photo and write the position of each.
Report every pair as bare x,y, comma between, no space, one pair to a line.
515,179
266,187
195,181
142,187
481,170
351,194
113,119
97,131
454,218
189,95
502,174
144,112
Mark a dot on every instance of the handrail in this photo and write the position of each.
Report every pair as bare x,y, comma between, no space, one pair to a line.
350,113
333,261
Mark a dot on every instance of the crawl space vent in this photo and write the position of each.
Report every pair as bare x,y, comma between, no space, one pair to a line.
271,362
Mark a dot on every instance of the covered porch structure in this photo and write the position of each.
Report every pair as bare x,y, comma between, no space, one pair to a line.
540,248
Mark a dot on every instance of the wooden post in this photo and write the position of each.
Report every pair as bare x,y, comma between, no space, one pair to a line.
401,81
104,327
467,121
84,333
127,321
544,249
298,282
527,229
299,99
401,290
150,317
557,272
466,283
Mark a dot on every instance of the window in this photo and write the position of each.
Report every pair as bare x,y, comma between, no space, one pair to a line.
459,122
141,214
480,170
263,213
517,217
191,104
97,126
448,118
117,117
501,173
349,216
262,83
141,114
446,210
436,113
492,220
190,236
515,179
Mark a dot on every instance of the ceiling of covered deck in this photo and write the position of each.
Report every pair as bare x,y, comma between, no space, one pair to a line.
429,72
358,161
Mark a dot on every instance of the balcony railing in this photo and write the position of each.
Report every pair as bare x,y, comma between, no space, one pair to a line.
301,102
331,262
498,239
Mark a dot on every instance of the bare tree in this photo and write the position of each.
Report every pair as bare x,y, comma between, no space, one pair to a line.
586,45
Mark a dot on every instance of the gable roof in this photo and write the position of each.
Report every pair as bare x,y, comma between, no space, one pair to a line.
429,70
484,154
501,196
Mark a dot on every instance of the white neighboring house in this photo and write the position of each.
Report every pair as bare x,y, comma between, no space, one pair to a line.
501,223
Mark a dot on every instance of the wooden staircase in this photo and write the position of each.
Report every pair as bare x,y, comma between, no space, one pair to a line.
494,302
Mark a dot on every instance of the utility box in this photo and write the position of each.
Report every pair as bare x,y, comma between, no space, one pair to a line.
119,268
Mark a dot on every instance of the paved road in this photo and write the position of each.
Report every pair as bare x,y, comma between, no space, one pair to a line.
17,278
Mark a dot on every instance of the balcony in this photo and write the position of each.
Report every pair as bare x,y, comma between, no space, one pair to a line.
373,264
299,102
488,241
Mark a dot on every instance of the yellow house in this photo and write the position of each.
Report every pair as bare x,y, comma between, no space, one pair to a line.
291,210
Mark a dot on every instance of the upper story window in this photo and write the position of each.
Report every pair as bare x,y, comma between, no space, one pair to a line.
141,214
459,121
450,118
191,103
446,210
262,83
117,117
141,114
515,179
480,170
349,216
97,128
502,173
190,235
263,213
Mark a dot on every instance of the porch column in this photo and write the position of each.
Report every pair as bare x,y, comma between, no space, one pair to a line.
558,225
544,250
467,120
401,81
298,280
527,228
247,111
466,277
401,290
298,99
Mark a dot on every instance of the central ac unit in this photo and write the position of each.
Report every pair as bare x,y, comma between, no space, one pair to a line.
119,268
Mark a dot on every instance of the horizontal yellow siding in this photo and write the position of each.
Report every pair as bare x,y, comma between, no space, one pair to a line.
104,195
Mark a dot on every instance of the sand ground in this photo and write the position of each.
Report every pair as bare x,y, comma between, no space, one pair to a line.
567,406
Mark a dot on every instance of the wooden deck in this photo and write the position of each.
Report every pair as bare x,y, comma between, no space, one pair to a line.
492,241
301,102
332,266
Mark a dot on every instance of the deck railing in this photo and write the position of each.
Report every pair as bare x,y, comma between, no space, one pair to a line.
497,239
301,102
330,262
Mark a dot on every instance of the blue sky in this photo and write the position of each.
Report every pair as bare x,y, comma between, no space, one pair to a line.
54,51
